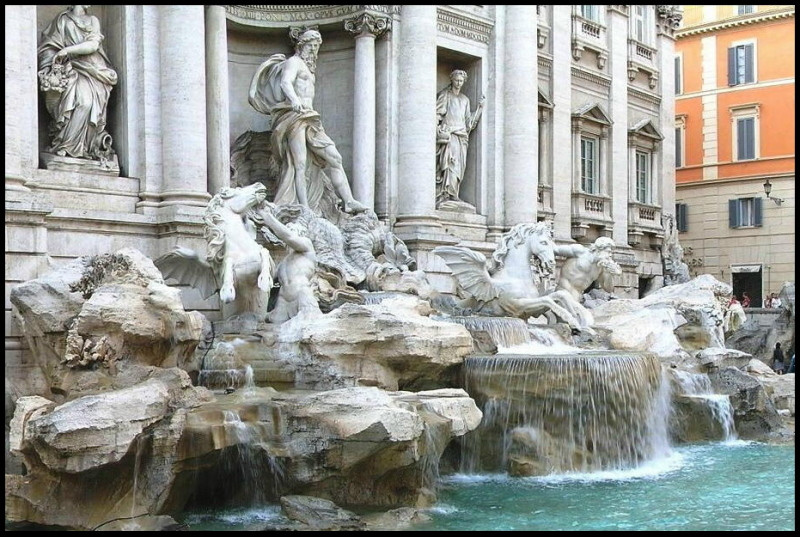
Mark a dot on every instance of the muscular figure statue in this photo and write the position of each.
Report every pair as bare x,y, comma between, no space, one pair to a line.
284,89
587,265
295,272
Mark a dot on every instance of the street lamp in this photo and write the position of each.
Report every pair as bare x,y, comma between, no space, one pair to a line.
768,189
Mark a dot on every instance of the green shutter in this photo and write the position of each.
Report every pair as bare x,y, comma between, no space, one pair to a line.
733,213
758,212
732,66
749,64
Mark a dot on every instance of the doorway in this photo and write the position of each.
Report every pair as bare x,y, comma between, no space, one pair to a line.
749,282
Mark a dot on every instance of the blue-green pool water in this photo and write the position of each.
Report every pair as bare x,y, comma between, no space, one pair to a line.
723,486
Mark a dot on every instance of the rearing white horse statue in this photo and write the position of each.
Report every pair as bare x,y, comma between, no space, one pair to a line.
511,290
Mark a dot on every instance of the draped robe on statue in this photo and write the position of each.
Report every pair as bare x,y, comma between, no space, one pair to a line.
267,97
452,138
78,105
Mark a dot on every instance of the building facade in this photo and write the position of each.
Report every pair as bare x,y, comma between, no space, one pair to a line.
576,128
735,132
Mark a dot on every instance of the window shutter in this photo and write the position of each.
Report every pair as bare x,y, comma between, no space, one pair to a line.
740,139
749,64
678,75
732,66
678,148
733,213
758,212
683,217
750,127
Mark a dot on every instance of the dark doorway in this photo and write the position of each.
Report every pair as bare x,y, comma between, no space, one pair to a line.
644,286
749,282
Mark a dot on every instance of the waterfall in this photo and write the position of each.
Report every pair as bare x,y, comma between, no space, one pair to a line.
583,412
504,331
224,371
697,386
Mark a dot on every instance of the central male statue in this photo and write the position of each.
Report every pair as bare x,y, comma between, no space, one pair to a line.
284,89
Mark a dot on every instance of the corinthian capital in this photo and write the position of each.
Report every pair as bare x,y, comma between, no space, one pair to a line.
366,23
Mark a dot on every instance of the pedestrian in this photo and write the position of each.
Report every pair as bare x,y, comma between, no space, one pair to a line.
791,365
745,300
776,301
778,364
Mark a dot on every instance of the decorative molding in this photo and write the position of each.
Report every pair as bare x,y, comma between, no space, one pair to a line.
645,96
279,16
542,33
595,78
545,66
366,24
621,9
462,25
751,18
669,19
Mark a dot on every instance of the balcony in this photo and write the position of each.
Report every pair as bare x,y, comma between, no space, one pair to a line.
644,219
643,58
590,210
588,34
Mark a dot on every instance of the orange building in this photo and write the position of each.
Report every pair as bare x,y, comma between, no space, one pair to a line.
734,130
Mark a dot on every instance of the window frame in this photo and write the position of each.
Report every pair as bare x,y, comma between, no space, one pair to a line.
733,62
678,77
740,11
594,141
597,12
755,212
743,112
680,141
647,22
643,174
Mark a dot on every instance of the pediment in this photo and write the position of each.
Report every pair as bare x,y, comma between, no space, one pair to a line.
544,101
647,129
592,112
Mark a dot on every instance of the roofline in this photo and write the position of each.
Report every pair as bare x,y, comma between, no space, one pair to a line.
751,18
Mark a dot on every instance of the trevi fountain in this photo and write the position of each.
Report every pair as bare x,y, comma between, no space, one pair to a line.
339,388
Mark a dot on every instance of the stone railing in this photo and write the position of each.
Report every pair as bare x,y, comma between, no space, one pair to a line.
589,34
591,210
642,57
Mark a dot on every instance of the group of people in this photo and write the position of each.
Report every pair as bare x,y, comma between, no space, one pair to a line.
772,301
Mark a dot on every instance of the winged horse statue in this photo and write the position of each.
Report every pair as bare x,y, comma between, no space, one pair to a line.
235,265
510,290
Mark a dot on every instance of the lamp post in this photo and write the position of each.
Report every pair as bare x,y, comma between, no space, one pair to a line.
768,189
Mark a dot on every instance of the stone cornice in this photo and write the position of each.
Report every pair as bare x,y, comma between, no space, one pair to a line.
545,65
281,16
597,78
644,95
459,24
742,20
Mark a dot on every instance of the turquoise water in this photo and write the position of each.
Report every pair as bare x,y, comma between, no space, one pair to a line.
728,486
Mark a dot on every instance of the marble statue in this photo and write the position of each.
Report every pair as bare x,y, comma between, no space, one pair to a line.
585,266
235,264
455,122
511,290
76,77
296,272
675,269
284,89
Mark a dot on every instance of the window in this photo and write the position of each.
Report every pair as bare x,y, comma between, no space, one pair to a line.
591,13
678,75
678,147
744,10
642,177
745,138
745,212
590,165
641,24
741,64
682,217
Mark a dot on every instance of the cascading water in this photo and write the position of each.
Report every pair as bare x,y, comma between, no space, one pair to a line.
697,387
582,412
504,331
223,371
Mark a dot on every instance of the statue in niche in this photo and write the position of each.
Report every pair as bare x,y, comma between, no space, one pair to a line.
675,269
296,272
455,122
585,266
76,77
309,161
235,264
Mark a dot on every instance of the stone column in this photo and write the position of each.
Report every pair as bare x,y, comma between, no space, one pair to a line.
416,196
520,138
366,29
14,91
218,136
669,18
183,105
563,173
622,180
